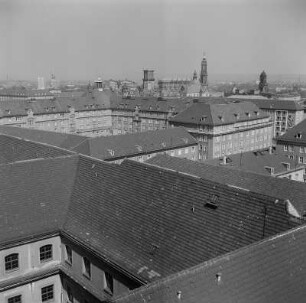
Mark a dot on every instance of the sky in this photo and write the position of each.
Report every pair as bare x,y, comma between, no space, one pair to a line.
84,39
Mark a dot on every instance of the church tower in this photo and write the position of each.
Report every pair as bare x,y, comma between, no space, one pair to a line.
203,74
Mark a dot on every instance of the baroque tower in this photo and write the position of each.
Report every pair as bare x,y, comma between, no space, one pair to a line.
203,74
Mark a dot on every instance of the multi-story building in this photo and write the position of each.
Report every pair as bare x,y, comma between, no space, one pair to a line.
225,129
89,114
176,142
77,229
25,94
293,143
143,114
284,113
263,162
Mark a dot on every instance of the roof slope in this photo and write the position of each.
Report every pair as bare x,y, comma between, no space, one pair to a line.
219,114
148,221
154,222
256,161
273,270
113,147
34,197
277,104
295,135
14,149
279,188
62,140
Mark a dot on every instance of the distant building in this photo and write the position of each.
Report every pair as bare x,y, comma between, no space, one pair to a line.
225,129
99,84
285,114
293,143
264,162
41,83
148,81
53,82
263,85
179,88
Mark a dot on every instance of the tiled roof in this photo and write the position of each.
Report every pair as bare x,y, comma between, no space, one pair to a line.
89,101
295,135
218,114
14,149
62,140
154,222
153,104
149,221
273,270
277,104
34,197
112,147
257,161
278,188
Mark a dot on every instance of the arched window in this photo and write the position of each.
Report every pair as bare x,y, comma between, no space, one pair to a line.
45,252
11,262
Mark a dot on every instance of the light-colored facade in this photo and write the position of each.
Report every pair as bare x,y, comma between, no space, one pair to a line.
51,270
248,131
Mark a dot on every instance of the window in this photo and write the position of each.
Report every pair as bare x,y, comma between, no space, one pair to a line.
47,293
86,267
11,262
68,254
45,252
108,282
69,294
16,299
300,159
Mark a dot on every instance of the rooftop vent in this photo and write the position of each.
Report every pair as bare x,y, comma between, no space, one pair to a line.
212,202
179,295
218,278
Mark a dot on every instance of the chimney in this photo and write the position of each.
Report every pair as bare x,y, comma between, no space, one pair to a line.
224,160
270,150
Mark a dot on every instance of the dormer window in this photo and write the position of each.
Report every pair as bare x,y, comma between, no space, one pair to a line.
287,165
111,152
248,115
299,135
270,169
163,144
237,116
139,148
221,118
256,113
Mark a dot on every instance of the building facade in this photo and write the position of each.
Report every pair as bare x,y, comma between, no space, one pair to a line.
285,114
225,129
293,143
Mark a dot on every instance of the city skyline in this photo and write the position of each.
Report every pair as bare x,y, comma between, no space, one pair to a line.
86,39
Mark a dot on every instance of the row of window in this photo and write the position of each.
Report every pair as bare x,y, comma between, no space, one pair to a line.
86,270
47,293
12,261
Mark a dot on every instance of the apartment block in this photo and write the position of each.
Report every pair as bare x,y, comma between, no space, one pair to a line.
226,128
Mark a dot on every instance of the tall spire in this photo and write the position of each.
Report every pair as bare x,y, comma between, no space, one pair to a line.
203,74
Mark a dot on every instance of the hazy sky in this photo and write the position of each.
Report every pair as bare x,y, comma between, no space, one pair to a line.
83,39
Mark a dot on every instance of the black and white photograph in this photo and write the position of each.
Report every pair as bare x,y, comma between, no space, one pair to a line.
152,151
